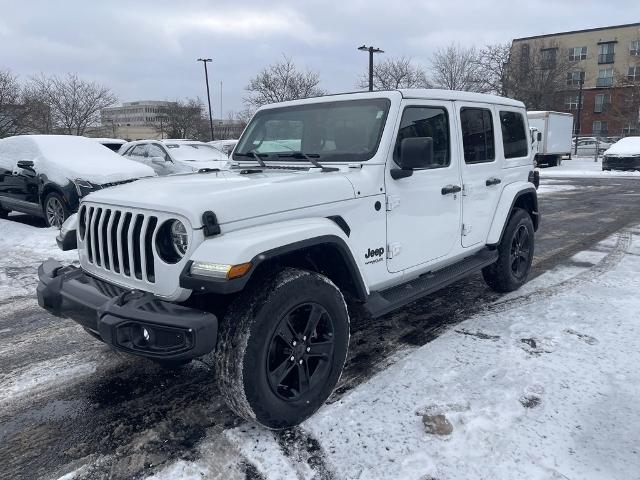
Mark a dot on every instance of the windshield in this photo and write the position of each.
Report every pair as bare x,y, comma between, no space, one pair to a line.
332,131
194,152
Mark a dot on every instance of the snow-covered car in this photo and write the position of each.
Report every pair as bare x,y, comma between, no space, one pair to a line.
389,197
113,144
47,175
623,155
225,146
170,157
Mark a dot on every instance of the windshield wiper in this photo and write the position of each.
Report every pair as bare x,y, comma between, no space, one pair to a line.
252,154
311,157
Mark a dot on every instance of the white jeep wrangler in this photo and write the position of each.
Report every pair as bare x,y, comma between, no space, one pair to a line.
378,198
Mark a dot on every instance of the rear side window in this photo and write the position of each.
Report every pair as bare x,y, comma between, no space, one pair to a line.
514,135
426,122
477,135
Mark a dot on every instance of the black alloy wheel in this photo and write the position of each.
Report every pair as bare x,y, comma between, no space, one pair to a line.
300,350
520,251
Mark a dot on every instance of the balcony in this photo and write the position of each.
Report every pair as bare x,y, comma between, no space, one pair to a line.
604,82
606,58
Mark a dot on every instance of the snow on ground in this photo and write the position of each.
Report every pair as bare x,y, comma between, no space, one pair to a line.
24,247
584,167
538,390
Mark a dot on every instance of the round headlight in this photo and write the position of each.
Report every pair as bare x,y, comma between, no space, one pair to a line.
172,241
179,237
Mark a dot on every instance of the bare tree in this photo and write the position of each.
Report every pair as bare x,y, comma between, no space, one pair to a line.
74,103
182,119
395,73
457,68
280,82
624,105
493,68
537,75
11,111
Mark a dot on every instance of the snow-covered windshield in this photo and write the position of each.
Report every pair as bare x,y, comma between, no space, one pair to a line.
194,152
329,131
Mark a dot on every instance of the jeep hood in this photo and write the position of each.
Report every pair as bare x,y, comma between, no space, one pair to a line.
232,196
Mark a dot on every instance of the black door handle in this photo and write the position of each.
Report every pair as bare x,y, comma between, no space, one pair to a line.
493,181
449,189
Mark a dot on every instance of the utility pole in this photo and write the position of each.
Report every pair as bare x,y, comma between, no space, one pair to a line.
206,79
371,51
221,100
578,126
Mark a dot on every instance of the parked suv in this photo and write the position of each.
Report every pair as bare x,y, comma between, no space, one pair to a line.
373,198
168,157
47,175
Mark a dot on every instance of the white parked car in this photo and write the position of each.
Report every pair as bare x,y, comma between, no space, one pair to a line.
623,155
170,157
587,146
389,197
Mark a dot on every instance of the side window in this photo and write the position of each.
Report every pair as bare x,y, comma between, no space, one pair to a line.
137,151
157,151
477,135
514,135
426,122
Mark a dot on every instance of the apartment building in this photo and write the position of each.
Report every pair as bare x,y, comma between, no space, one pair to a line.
606,61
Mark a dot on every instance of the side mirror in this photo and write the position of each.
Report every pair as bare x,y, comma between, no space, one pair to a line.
539,136
25,164
415,153
158,160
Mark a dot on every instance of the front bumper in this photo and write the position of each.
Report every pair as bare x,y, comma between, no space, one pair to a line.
130,320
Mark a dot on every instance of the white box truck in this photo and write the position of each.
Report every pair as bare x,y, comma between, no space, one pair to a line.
553,138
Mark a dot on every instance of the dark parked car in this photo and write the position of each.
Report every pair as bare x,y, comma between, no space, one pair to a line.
46,175
623,155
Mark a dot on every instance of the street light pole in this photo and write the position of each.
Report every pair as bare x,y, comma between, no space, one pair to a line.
206,79
371,51
578,126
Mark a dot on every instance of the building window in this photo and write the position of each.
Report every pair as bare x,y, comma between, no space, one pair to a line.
574,78
577,53
634,73
605,77
571,102
634,48
606,52
602,100
477,135
600,128
630,130
548,56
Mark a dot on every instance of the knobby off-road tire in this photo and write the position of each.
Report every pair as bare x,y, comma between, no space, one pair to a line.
55,210
282,346
516,250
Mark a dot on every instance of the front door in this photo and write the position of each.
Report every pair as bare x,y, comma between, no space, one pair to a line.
481,170
423,210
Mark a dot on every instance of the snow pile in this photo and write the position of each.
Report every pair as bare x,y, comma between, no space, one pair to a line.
583,167
625,147
24,248
63,157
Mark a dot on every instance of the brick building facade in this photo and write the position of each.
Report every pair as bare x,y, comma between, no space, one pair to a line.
607,62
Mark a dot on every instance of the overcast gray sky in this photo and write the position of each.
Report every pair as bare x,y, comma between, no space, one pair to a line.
146,49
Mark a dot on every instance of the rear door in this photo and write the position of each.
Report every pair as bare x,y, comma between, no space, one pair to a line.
481,169
423,210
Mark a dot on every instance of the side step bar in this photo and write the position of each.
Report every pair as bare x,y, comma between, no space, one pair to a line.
385,301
